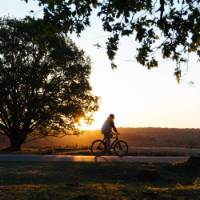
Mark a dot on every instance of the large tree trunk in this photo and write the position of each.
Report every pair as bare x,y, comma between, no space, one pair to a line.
16,142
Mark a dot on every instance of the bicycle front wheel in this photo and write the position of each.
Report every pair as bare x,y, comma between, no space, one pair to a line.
98,148
121,148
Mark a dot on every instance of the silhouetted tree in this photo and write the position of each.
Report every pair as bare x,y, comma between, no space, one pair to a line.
43,82
170,28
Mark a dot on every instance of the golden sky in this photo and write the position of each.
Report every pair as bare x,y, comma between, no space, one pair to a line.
138,97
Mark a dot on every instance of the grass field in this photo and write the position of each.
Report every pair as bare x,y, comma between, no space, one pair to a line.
105,181
97,181
136,137
141,141
133,151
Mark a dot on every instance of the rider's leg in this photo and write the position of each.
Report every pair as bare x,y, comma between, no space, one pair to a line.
107,141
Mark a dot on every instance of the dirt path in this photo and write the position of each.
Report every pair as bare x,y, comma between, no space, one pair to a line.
80,158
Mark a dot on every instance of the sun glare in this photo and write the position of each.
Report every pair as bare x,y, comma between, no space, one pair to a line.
95,125
83,125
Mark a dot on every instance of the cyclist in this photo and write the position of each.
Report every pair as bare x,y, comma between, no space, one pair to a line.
107,130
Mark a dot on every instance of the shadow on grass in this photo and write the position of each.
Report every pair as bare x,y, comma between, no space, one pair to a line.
95,181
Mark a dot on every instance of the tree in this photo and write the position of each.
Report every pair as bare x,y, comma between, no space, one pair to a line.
43,82
170,28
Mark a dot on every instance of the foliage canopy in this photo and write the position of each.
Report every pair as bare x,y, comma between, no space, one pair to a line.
44,82
167,27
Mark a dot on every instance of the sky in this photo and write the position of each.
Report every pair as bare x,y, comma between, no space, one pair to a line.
137,96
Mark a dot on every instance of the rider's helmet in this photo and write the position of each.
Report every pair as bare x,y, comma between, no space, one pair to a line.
112,116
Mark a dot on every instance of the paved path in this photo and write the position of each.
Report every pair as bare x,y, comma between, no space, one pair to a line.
77,158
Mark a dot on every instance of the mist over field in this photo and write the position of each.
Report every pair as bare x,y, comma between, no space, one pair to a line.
136,137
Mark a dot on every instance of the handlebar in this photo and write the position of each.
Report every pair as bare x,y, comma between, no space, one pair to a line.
116,134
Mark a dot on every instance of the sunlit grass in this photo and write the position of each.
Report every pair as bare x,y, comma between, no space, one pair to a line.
178,187
96,181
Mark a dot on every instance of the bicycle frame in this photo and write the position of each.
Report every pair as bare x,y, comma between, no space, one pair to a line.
114,141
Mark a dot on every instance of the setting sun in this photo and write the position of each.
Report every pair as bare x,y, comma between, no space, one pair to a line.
137,96
94,125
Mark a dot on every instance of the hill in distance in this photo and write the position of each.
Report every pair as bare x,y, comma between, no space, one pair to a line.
136,137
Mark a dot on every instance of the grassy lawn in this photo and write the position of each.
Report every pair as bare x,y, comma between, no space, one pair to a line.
133,151
97,181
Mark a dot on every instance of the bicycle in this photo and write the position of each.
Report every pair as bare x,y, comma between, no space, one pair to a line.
119,147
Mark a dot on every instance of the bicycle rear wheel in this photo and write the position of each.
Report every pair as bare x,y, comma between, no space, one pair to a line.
121,148
98,148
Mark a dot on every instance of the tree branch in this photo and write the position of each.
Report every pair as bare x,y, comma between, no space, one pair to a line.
162,8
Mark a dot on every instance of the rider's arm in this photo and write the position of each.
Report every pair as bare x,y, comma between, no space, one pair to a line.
114,128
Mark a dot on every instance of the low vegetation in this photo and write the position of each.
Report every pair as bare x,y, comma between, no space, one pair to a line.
97,181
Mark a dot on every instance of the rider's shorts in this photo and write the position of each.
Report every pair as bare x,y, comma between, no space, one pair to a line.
107,134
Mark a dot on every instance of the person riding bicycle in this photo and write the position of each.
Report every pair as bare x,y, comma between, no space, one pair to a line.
107,130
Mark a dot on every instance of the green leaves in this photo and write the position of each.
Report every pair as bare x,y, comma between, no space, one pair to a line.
177,74
112,46
44,80
168,27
